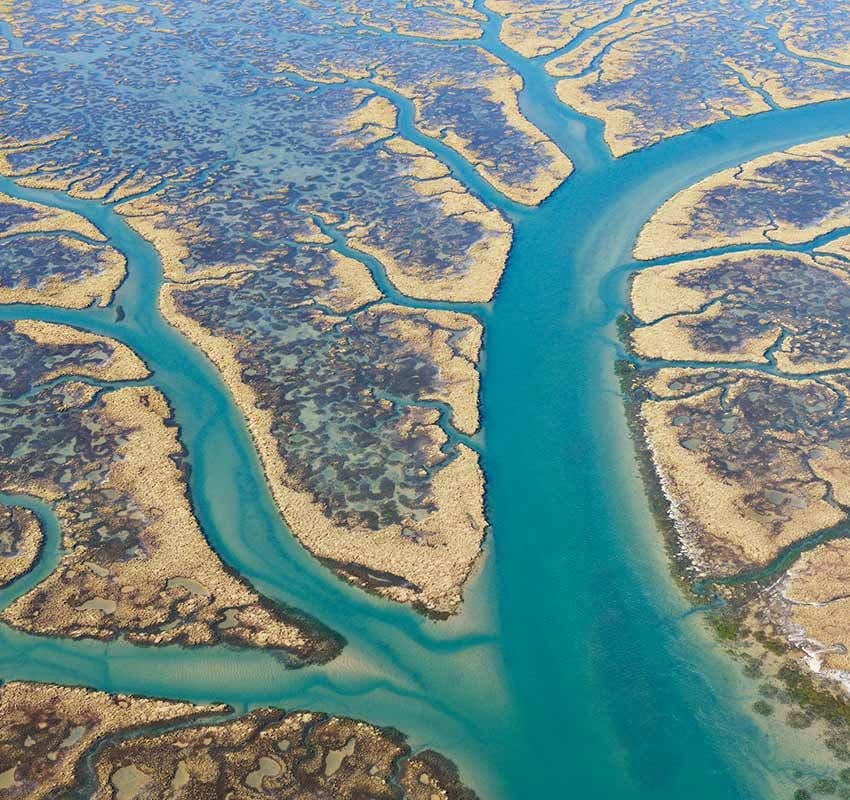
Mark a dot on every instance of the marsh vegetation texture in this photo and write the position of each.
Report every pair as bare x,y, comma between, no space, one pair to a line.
426,399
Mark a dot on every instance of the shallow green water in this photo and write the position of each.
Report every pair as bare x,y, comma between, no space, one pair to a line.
573,670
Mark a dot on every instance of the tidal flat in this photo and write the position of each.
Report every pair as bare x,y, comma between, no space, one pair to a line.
104,454
56,737
47,729
21,540
669,66
739,390
300,292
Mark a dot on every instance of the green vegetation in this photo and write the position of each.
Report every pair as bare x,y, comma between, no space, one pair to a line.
825,786
769,690
727,627
771,643
803,690
763,707
798,719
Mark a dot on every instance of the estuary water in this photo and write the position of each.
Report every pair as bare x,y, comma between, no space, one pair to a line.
574,669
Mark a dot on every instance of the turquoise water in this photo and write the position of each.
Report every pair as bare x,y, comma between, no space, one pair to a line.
573,670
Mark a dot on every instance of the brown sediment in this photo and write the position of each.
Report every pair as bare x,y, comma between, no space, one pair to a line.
718,534
122,365
685,287
673,228
670,232
424,20
419,163
452,341
458,8
329,75
677,302
579,59
658,291
112,17
807,38
153,219
671,339
537,29
739,81
780,92
754,467
75,292
97,185
354,286
375,119
618,132
274,753
317,210
718,518
835,253
149,217
75,394
40,178
47,729
48,219
811,606
503,89
502,86
428,774
435,555
146,597
311,233
746,488
622,134
136,183
11,145
735,307
21,540
458,30
761,618
476,280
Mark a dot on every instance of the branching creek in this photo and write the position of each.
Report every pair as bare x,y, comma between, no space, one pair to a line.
573,669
